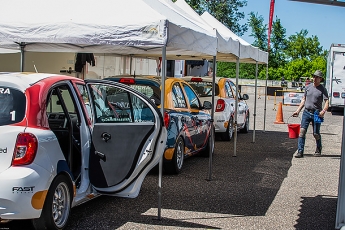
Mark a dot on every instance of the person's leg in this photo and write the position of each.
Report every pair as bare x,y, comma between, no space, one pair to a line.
304,128
317,136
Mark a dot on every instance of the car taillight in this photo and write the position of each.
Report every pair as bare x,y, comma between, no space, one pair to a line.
25,149
196,79
128,81
220,105
166,119
336,94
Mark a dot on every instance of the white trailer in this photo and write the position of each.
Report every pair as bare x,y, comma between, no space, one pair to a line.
335,76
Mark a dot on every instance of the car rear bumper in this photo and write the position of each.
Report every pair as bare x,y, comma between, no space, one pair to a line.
220,122
23,191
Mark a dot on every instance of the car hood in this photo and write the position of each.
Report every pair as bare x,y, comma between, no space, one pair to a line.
8,137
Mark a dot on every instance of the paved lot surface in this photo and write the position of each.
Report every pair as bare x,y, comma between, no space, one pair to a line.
263,187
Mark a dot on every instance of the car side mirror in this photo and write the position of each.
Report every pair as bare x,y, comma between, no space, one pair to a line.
245,96
207,105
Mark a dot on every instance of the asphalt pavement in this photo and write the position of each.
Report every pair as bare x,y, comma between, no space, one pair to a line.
262,187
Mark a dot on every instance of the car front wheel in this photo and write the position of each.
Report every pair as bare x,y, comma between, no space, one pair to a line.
57,205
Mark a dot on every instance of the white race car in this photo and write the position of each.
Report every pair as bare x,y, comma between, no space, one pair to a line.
64,141
226,93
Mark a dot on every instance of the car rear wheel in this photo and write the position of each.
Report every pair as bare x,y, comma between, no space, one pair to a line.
57,205
227,135
209,149
246,125
175,165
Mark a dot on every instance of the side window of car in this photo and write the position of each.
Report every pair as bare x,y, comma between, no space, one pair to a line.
192,97
114,104
234,89
178,97
85,99
228,90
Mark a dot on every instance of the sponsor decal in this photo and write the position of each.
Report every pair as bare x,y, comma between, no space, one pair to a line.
150,30
3,150
19,189
5,91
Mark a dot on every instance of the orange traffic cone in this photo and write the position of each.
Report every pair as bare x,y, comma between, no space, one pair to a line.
279,117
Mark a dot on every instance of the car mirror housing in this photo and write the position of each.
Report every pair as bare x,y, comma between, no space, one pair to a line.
245,96
207,105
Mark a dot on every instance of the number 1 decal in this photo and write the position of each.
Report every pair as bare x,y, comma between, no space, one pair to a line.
13,113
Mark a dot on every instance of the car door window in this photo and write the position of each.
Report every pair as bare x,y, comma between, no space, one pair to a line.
114,104
86,99
234,89
178,97
191,97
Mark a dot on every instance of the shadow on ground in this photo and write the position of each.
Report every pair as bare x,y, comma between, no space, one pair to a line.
317,213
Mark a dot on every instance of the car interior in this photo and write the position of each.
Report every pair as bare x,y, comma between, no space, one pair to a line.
64,121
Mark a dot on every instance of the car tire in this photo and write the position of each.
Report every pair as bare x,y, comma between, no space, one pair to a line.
57,205
228,134
175,165
209,149
246,125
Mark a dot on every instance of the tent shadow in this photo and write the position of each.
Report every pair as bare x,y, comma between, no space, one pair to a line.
317,213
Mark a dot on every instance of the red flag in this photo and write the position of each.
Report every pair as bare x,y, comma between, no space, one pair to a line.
270,23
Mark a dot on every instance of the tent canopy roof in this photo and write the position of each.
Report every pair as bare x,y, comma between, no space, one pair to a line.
126,27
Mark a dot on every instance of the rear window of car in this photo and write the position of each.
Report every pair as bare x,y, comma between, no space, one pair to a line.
203,89
12,105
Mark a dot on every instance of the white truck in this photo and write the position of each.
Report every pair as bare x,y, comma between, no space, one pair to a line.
335,76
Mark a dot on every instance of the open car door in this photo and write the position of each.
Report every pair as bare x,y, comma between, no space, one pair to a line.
128,138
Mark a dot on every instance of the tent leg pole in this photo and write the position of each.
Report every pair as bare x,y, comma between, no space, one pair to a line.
212,116
22,58
256,92
265,98
236,107
162,111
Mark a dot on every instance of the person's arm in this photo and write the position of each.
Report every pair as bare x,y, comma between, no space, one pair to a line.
325,108
300,107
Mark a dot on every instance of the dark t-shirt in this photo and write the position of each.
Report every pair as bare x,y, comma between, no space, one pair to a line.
314,96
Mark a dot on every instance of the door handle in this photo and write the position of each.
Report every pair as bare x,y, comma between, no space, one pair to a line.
106,136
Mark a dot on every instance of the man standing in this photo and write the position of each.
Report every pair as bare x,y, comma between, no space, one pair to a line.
312,100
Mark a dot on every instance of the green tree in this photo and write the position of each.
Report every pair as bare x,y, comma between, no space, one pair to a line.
259,30
277,57
301,46
226,11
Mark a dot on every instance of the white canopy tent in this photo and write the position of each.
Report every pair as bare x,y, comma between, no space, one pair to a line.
227,47
137,27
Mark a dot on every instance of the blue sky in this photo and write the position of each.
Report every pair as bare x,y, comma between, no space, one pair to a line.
326,22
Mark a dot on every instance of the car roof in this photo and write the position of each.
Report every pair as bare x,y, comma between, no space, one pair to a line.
144,79
23,80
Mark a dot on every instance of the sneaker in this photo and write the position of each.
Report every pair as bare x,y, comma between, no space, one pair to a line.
317,152
299,154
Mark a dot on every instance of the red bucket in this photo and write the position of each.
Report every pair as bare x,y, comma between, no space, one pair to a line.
294,130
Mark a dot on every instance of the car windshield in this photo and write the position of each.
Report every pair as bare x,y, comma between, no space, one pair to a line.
203,89
12,105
